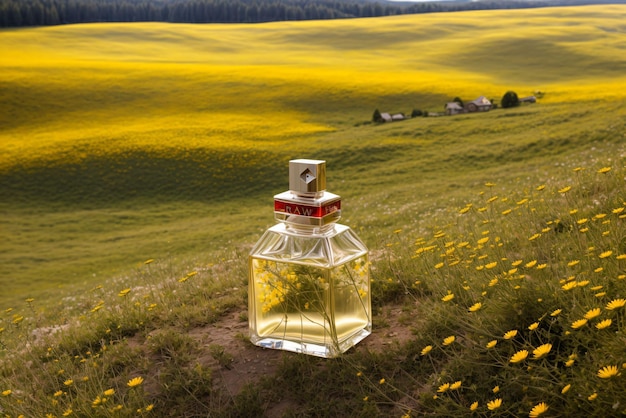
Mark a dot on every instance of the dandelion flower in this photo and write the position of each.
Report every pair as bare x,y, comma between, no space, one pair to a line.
124,292
496,389
495,404
135,381
565,189
443,388
534,237
538,409
7,392
455,385
148,261
615,304
593,396
68,382
426,350
109,392
556,312
510,334
533,326
579,323
541,351
607,372
475,307
491,265
530,264
573,263
604,324
474,406
439,265
569,363
68,412
569,286
381,381
448,297
483,240
592,313
519,356
149,407
605,254
449,340
492,343
565,389
604,170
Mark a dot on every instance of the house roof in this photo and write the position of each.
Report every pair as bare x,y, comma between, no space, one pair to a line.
481,101
454,105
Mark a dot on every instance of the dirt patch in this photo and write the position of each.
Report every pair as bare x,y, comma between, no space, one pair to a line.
243,363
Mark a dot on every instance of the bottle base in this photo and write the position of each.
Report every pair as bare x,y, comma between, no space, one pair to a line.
313,349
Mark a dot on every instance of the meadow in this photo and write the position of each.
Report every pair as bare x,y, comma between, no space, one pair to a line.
138,164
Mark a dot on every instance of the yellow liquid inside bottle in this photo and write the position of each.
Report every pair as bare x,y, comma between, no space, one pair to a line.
306,308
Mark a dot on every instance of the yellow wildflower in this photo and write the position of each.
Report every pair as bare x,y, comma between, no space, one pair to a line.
135,381
565,389
565,189
475,307
592,396
68,382
530,264
7,392
605,254
496,389
449,340
519,356
510,334
455,385
533,326
495,404
604,170
474,406
124,292
448,297
426,350
541,351
579,323
592,313
381,381
604,324
556,312
607,372
443,388
569,286
615,304
538,409
492,343
109,392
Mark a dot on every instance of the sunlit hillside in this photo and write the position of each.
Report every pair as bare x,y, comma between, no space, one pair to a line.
122,142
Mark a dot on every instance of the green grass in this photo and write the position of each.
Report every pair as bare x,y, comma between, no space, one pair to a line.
124,143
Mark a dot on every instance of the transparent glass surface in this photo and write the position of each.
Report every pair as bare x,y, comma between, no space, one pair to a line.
309,293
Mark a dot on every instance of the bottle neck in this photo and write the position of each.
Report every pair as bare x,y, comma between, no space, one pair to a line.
303,229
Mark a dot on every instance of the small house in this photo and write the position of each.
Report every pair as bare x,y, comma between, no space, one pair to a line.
482,104
385,117
453,108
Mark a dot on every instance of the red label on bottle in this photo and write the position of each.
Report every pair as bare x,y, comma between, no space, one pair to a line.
306,210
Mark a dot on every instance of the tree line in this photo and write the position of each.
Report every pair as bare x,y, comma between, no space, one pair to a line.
15,13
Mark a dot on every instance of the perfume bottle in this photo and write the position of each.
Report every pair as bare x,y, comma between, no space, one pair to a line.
309,286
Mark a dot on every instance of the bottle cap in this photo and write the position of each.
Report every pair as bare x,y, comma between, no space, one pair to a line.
307,177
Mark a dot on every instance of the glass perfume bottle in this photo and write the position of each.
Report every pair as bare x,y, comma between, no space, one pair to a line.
309,288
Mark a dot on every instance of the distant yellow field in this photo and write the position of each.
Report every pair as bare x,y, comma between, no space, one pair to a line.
119,85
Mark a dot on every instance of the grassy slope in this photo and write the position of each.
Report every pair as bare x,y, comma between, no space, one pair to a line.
122,142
